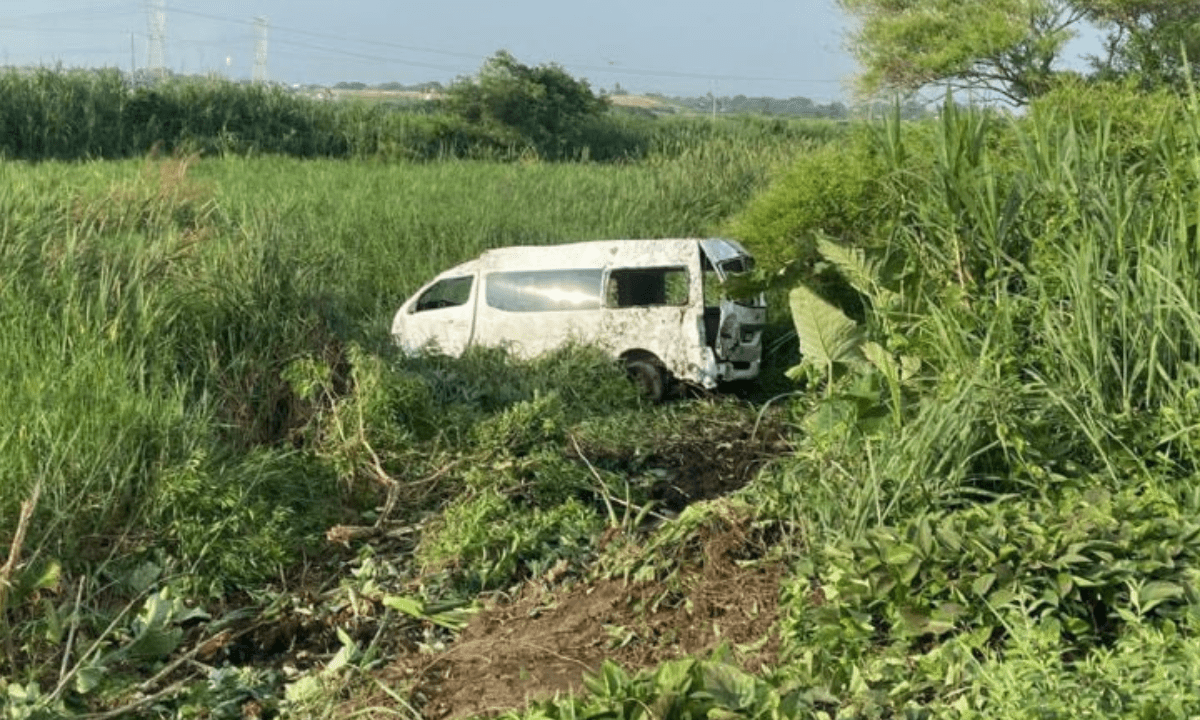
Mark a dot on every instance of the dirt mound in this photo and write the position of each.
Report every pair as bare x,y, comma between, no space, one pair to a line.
541,643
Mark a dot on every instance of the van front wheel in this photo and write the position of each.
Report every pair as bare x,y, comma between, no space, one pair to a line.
649,378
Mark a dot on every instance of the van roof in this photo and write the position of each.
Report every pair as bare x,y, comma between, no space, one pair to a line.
594,253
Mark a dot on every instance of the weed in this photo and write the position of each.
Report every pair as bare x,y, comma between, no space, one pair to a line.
486,541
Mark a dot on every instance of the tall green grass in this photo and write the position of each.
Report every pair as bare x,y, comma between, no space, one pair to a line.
392,227
153,306
1039,271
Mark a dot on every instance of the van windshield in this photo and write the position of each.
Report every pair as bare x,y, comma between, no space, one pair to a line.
450,292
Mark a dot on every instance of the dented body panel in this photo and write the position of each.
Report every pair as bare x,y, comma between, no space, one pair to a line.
649,299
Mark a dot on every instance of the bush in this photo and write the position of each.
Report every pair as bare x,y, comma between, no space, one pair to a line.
486,541
834,189
543,104
238,524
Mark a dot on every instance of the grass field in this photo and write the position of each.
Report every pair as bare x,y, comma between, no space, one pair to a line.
181,333
226,495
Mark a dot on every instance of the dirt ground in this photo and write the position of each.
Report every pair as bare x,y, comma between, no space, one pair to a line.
541,643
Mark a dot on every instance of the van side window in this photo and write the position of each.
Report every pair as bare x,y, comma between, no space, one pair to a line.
544,290
645,287
450,292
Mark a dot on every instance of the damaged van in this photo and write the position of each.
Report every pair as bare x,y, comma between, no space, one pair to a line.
658,306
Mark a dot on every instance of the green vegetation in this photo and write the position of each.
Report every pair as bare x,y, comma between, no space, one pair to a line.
1015,48
994,495
1004,355
543,105
225,494
511,112
200,384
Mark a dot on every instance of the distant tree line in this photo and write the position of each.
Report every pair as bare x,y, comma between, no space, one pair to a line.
798,106
509,110
792,107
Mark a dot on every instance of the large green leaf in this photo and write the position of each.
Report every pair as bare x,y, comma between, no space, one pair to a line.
827,336
853,264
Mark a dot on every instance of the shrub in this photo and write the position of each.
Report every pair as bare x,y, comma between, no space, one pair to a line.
241,523
486,541
833,190
544,104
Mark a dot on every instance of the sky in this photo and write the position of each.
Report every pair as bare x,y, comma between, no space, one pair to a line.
774,48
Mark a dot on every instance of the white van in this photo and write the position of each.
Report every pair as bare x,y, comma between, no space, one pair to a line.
657,305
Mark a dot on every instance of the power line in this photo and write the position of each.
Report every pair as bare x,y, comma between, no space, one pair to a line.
693,76
364,56
476,57
135,8
327,36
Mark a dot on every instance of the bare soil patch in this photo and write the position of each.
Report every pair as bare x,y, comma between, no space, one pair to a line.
540,644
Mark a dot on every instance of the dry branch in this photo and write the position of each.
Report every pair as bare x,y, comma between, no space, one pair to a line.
14,550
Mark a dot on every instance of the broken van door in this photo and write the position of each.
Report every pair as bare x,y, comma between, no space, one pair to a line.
733,327
443,316
653,307
652,311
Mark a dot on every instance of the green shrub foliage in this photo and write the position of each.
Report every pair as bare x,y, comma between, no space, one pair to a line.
1088,564
543,105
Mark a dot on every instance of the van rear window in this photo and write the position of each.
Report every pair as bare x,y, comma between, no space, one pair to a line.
544,290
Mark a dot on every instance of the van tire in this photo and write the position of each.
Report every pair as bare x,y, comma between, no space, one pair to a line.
648,376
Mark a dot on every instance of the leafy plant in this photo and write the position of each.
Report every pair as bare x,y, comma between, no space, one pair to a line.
238,524
683,688
487,541
943,586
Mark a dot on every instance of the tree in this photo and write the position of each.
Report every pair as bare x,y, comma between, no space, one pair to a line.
1015,47
543,103
1149,39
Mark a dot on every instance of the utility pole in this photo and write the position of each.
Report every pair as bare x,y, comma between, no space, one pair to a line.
260,49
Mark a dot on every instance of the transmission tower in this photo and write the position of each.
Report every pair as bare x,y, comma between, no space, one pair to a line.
157,10
260,49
